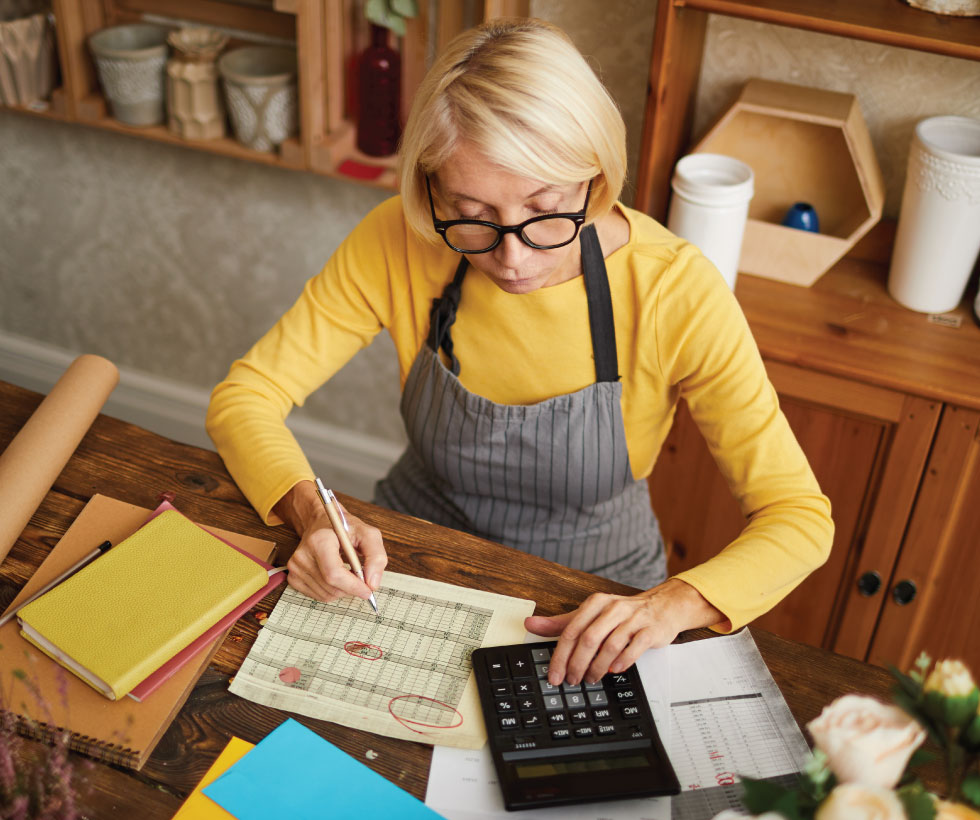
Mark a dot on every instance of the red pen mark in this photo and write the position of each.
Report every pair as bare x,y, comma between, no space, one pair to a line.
290,674
406,702
715,755
725,779
365,651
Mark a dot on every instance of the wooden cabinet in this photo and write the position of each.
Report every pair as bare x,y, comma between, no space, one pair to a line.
885,404
327,33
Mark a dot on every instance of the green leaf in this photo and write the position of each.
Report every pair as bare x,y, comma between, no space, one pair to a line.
918,803
971,788
760,796
920,757
909,685
405,8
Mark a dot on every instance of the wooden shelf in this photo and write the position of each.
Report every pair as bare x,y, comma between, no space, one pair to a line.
890,22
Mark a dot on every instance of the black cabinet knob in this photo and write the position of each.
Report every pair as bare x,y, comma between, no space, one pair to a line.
869,583
904,592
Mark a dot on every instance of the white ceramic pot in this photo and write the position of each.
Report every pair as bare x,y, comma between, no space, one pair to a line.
710,205
938,235
131,60
260,90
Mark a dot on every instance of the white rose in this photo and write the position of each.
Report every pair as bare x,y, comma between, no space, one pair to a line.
730,814
852,801
950,678
866,741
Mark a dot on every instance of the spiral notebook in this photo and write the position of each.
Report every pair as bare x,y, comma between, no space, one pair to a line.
122,731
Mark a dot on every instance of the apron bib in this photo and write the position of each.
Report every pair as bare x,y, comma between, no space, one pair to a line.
552,479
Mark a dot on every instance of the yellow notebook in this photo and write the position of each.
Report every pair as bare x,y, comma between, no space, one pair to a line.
128,612
198,806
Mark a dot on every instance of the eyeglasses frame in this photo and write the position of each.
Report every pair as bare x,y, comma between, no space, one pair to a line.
443,225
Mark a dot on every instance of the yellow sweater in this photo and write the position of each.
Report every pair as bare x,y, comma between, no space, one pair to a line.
679,333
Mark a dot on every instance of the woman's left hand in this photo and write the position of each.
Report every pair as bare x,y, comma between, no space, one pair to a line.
608,633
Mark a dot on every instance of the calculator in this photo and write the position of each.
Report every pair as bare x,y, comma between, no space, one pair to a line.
555,745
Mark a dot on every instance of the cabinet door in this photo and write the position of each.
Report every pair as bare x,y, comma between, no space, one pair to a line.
940,557
850,432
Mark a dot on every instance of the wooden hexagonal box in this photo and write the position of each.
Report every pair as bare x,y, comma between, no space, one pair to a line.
804,145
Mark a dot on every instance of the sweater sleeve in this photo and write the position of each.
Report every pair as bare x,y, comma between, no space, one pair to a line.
339,311
706,348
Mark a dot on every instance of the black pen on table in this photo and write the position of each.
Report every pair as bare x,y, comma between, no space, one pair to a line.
339,522
103,547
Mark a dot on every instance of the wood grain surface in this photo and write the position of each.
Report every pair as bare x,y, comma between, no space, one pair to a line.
134,465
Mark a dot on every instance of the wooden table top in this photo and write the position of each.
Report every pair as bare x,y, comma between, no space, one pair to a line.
129,463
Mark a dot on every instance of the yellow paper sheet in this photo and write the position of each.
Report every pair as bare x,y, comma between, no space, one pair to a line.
200,807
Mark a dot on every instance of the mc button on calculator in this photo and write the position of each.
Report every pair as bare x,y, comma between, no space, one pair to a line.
569,743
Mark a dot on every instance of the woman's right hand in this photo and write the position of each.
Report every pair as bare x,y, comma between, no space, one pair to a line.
317,567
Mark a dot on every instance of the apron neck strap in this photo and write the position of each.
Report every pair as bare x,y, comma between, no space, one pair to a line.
600,307
601,324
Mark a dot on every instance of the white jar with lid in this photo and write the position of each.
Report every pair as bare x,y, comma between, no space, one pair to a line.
710,206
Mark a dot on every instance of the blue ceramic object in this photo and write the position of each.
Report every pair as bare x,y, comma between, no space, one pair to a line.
802,216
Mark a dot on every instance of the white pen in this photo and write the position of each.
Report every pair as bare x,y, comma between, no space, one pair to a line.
339,522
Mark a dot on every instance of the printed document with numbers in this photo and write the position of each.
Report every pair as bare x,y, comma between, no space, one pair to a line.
404,672
727,718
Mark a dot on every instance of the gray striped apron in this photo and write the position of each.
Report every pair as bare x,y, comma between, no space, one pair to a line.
552,479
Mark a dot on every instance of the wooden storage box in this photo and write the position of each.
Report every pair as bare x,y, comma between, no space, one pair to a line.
804,145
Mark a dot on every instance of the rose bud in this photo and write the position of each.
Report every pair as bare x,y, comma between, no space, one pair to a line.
866,741
950,694
853,801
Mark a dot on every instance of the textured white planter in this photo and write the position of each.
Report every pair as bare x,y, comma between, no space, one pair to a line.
26,60
260,90
131,60
710,206
938,236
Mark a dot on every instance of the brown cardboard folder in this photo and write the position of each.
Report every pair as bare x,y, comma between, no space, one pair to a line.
123,731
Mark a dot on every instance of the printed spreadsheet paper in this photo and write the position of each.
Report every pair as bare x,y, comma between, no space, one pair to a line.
727,718
405,672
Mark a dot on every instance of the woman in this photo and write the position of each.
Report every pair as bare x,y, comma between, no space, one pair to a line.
545,334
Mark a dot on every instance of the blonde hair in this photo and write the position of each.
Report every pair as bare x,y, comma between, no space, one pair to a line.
522,93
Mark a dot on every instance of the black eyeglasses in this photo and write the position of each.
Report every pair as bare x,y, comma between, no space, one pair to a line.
542,233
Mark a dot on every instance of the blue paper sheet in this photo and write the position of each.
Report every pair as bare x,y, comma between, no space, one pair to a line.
295,774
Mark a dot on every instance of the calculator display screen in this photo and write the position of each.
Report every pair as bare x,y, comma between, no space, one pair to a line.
559,767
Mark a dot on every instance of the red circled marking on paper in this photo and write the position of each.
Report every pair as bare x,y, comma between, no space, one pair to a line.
404,721
290,674
364,651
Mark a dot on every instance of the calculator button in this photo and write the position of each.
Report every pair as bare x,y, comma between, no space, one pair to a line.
505,705
508,723
631,711
605,729
527,704
619,679
533,722
548,688
601,714
583,731
524,688
521,667
558,719
594,685
597,699
580,716
497,666
561,734
575,700
625,695
541,669
500,690
637,732
553,703
571,687
541,655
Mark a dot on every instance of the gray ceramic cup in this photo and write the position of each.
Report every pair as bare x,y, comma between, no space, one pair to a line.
131,60
260,89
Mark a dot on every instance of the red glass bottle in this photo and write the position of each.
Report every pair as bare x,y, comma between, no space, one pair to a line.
379,96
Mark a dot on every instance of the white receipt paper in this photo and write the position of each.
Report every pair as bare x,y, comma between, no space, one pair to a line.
727,718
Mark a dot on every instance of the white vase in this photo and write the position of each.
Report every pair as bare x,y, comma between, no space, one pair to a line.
938,236
710,205
260,89
131,60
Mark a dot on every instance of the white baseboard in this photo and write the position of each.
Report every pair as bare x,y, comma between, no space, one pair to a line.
348,460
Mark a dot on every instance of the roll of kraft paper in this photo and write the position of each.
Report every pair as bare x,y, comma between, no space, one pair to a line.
38,453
